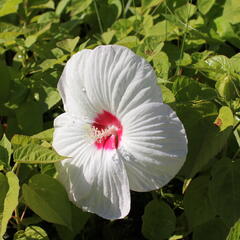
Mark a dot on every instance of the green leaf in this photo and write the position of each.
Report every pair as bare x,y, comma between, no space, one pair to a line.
186,11
146,4
4,189
31,39
231,11
205,5
187,89
129,41
10,192
225,118
61,6
196,202
79,219
51,96
31,233
234,233
7,7
48,199
161,64
225,88
22,140
218,67
79,6
68,44
46,135
205,140
29,117
49,63
159,221
107,36
41,4
168,96
224,190
215,229
5,82
5,151
34,154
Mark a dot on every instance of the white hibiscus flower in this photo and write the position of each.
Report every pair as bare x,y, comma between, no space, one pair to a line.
117,131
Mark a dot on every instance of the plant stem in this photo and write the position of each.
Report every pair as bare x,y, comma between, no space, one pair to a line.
98,16
17,219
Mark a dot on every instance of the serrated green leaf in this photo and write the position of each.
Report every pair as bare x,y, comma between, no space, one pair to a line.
107,36
36,154
146,4
234,233
130,42
79,6
46,135
225,88
48,199
10,201
186,11
168,96
22,140
225,118
7,7
224,190
196,202
61,6
68,44
31,233
5,151
159,221
205,5
4,189
31,39
41,4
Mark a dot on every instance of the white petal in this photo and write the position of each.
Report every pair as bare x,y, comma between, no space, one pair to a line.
115,80
95,180
154,146
71,86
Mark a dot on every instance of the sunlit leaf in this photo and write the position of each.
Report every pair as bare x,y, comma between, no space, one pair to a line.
234,233
34,153
8,199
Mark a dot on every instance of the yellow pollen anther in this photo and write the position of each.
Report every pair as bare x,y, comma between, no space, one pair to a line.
99,135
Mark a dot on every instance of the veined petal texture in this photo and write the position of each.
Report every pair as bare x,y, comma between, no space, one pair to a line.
116,131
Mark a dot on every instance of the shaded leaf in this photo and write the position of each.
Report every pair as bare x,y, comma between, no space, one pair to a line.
215,229
79,219
48,199
224,190
196,202
159,221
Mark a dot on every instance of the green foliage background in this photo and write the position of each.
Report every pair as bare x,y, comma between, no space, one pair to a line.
194,49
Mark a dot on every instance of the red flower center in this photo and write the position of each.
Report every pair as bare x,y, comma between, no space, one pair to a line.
107,130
